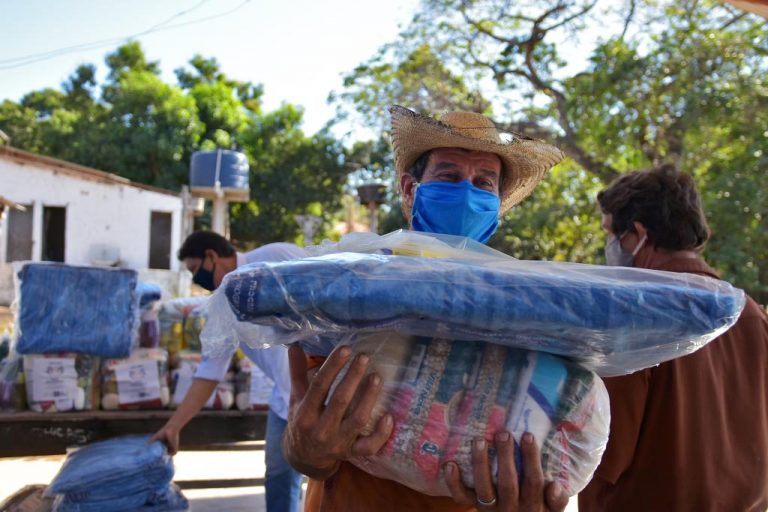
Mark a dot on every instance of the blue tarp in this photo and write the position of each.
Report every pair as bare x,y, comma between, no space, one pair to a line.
65,308
125,473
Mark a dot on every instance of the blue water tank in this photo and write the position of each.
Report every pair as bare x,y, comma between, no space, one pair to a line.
232,173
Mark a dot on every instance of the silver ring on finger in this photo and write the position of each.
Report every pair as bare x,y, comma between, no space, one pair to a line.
489,503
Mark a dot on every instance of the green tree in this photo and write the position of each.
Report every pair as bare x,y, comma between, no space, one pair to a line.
679,82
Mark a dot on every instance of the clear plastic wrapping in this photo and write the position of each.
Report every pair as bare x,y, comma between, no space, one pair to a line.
443,394
137,382
64,308
614,320
13,392
172,319
61,382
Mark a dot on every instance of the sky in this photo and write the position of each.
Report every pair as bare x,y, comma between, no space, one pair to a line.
298,49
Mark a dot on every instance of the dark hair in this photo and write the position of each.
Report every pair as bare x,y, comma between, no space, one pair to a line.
663,200
200,241
420,165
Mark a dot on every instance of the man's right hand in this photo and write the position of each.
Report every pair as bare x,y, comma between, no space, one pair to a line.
319,436
169,435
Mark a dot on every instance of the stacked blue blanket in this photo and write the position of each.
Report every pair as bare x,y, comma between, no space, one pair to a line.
614,319
64,308
125,473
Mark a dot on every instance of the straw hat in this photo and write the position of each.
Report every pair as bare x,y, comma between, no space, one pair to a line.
524,161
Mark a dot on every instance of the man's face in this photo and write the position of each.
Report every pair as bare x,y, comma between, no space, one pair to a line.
212,262
454,165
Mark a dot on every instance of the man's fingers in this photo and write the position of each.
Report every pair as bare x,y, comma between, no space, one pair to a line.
362,405
371,444
297,362
341,398
555,497
532,491
317,390
481,468
507,485
459,493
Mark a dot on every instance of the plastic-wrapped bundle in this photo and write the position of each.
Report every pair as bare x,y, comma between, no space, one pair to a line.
185,365
149,293
13,393
137,382
61,382
254,388
120,474
194,322
615,320
64,308
172,317
443,394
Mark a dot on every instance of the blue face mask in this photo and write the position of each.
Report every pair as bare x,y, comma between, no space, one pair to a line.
455,209
204,278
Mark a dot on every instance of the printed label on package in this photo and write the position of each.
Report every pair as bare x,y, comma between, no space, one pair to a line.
54,379
137,382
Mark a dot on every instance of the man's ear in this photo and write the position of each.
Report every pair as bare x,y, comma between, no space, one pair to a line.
406,190
213,255
640,230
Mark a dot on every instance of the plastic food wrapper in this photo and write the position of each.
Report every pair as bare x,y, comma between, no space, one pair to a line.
149,293
443,394
254,388
61,382
13,392
614,320
120,474
172,318
137,382
186,363
63,308
194,322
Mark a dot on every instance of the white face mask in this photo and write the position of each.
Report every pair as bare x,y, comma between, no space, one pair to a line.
616,256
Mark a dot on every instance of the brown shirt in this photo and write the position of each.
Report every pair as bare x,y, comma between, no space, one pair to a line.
691,433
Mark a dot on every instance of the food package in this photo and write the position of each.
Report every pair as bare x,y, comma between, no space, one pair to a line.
89,310
185,366
61,382
13,392
121,474
137,382
614,320
442,394
254,388
172,319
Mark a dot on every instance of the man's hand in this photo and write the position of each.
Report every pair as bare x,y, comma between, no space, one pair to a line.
507,496
169,435
318,436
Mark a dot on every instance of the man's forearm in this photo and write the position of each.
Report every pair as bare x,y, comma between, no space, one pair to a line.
199,393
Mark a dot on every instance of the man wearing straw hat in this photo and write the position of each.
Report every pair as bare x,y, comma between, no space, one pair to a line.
456,177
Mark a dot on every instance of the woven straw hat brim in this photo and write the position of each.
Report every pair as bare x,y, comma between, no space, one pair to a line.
524,161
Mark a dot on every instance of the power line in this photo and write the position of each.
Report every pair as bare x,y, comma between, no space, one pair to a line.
18,62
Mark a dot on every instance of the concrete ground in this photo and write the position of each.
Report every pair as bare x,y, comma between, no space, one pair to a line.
19,472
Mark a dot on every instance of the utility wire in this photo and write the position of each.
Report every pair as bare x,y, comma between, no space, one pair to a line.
160,27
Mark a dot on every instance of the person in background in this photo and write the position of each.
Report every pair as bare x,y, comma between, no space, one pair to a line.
690,434
456,177
210,256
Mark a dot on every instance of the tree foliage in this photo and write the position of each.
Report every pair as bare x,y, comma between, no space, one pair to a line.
679,82
138,126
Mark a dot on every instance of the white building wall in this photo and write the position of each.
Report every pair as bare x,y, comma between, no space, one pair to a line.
98,213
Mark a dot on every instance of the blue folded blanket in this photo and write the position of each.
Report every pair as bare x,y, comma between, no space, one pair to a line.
64,308
614,319
124,473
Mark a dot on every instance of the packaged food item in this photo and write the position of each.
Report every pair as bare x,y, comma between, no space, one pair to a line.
13,392
185,366
443,394
194,322
172,316
61,382
65,308
588,313
137,382
254,388
149,331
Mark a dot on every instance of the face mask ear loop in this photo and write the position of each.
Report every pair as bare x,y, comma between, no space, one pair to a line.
640,245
